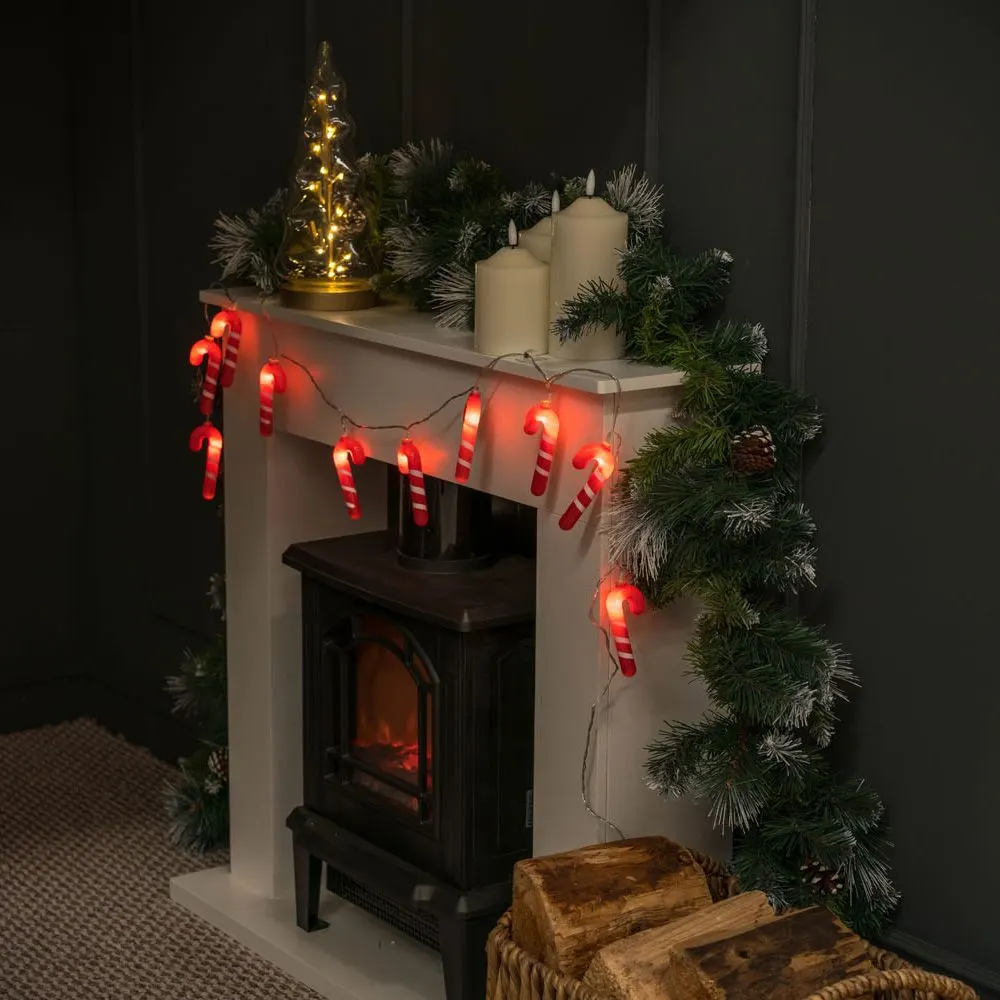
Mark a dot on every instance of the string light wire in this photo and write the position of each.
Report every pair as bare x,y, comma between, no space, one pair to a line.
549,380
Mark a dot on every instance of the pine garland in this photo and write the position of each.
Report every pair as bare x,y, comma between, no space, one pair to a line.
708,509
454,210
198,798
698,515
248,247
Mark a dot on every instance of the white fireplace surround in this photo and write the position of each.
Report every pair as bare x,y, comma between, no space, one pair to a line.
392,365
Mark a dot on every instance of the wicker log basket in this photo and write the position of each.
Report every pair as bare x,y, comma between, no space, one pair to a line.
513,974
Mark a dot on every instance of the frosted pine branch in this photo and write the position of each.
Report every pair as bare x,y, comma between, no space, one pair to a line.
809,426
744,519
232,243
463,173
822,731
465,242
528,204
794,570
757,339
635,194
453,296
802,563
835,671
410,251
248,246
636,541
785,749
798,708
661,286
736,804
868,873
408,160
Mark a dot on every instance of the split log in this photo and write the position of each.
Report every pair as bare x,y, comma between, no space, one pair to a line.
568,906
786,959
631,969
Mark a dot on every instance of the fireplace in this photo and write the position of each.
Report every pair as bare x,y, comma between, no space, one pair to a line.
418,708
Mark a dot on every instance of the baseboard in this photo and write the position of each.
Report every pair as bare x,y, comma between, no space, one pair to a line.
30,672
941,959
165,735
43,700
48,700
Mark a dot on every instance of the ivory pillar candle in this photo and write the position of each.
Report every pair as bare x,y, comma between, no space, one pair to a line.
586,239
538,239
512,301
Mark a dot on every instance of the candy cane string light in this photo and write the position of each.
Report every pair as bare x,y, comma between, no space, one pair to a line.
470,428
624,597
226,324
542,418
211,437
408,461
272,380
200,350
346,451
604,466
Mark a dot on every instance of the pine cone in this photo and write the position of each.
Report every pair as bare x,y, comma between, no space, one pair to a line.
821,880
753,451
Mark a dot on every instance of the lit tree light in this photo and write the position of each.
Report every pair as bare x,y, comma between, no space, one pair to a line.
323,216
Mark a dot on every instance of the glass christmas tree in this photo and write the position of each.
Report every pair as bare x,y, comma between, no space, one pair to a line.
323,216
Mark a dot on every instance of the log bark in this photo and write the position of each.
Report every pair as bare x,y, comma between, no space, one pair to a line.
786,959
568,906
631,969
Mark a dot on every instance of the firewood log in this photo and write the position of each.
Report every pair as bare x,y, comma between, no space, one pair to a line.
568,906
629,969
788,958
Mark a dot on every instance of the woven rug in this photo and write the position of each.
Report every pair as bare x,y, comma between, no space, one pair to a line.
85,911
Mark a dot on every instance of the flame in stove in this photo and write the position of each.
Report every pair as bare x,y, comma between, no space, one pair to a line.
386,728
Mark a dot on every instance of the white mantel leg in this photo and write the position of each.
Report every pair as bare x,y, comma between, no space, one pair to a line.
572,668
278,491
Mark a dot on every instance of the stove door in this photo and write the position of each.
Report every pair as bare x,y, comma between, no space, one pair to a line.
385,689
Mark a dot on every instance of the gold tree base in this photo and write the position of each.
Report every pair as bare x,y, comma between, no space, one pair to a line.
328,296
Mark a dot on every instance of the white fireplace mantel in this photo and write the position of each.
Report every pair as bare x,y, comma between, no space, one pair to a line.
391,365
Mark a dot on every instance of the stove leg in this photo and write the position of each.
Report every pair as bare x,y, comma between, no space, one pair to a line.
463,954
308,878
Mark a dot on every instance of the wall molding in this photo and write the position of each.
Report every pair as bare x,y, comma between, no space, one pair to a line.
651,132
141,233
406,70
802,218
310,30
947,961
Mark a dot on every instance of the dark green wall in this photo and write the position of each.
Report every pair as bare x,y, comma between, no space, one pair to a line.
903,352
41,438
872,191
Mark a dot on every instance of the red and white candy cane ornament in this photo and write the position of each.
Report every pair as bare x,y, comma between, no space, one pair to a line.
621,598
272,380
211,437
201,349
227,324
346,451
542,418
408,460
604,465
470,428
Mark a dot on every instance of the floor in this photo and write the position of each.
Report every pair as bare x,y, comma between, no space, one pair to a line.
84,872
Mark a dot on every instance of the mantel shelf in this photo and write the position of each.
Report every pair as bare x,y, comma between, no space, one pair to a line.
405,329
